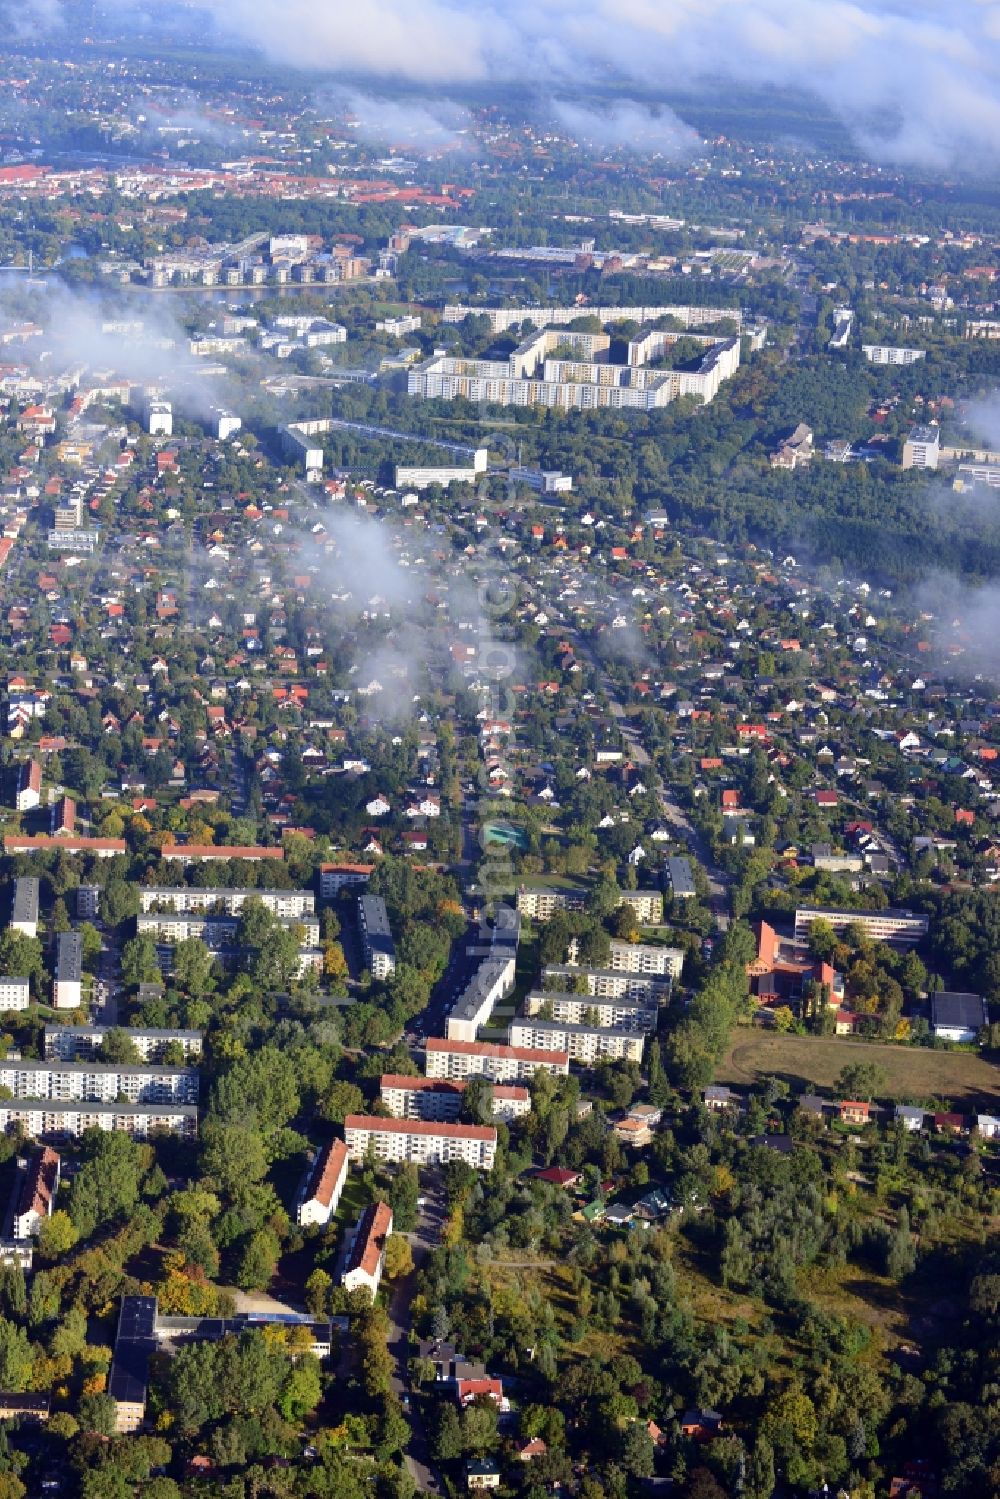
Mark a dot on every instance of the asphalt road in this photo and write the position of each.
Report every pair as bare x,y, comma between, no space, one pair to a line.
424,1238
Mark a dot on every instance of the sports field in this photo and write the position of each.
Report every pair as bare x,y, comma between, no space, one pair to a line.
814,1061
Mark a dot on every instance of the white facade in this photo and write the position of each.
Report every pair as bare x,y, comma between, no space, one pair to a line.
441,1098
902,928
323,1186
73,1043
14,994
585,1044
423,1142
42,1119
646,957
581,1009
366,1256
285,904
887,354
101,1082
504,1064
610,983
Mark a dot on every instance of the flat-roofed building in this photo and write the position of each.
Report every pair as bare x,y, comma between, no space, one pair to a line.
899,928
424,1142
492,980
14,993
366,1256
541,902
78,1043
336,877
585,1044
24,913
504,1064
101,1082
323,1185
588,1009
922,447
51,1119
67,986
609,983
285,904
645,905
646,957
376,936
680,878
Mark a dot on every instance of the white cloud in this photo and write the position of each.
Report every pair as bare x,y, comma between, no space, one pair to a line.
639,127
933,65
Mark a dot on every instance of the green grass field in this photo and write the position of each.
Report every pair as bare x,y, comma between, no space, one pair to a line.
912,1073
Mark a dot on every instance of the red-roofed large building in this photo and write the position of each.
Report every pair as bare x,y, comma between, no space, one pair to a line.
366,1258
29,786
504,1064
441,1098
102,848
423,1141
468,1390
323,1185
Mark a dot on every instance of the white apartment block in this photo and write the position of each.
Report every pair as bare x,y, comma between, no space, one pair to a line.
336,877
609,983
503,318
376,937
441,1098
492,980
14,993
320,1192
67,986
99,1082
586,1009
646,957
922,448
423,1142
76,1043
888,354
24,913
37,1197
899,928
541,903
215,931
646,905
585,1044
42,1119
366,1256
287,905
504,1064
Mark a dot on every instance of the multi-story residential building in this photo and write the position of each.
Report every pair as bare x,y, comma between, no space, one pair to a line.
38,1191
585,1009
504,1064
320,1192
78,1043
24,913
366,1256
47,1118
29,786
216,931
287,905
336,877
922,448
441,1098
14,993
609,983
424,1142
376,937
646,957
586,1044
503,318
899,928
492,980
541,902
67,986
88,901
680,878
646,906
100,1082
889,354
